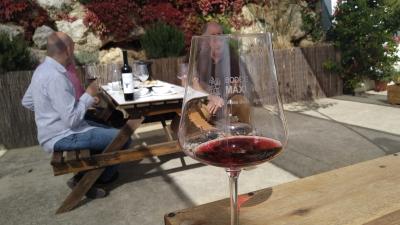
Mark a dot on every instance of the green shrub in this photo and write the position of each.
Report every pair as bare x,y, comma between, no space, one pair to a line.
363,32
84,2
162,40
14,54
85,57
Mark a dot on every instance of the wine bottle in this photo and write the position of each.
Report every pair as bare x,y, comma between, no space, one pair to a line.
127,78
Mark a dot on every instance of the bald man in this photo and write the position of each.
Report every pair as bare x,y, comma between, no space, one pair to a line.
59,116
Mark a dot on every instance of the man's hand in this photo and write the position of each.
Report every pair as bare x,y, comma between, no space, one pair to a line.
92,89
96,100
214,103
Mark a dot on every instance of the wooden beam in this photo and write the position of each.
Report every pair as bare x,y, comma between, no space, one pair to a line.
366,193
123,156
84,154
389,219
57,158
91,176
163,111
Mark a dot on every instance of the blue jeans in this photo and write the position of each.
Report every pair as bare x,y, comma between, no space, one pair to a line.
96,140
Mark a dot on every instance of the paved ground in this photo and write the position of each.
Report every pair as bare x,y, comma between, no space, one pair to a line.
324,135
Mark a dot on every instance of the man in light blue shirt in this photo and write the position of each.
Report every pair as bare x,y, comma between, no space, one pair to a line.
59,116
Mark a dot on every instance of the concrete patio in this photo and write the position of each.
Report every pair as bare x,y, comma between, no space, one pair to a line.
324,135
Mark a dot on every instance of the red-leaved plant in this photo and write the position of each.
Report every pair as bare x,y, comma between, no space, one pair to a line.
163,11
111,17
27,14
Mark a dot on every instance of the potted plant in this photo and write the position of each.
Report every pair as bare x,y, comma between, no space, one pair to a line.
393,90
164,45
380,78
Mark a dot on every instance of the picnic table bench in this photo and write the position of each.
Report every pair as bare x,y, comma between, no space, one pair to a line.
157,108
366,193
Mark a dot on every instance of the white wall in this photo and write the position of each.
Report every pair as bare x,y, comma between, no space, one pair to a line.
334,3
331,4
397,64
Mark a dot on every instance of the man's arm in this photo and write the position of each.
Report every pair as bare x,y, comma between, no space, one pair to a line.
27,100
63,101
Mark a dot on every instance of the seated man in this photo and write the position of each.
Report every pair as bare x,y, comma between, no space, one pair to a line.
59,116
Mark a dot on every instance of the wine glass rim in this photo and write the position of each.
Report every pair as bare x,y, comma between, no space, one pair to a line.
232,35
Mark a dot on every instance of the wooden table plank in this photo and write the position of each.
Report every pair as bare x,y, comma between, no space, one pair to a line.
389,219
367,193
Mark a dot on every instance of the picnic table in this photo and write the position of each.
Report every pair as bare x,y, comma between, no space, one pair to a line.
152,105
366,193
156,107
149,103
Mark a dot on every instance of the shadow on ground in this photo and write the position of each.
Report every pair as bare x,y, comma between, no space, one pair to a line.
146,190
374,99
317,145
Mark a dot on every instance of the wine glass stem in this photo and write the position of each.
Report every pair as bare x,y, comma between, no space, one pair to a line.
233,186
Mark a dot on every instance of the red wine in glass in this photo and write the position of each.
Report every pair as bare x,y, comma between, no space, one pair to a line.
238,151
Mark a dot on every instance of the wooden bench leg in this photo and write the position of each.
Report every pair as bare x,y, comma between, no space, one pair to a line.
170,136
167,131
80,190
90,177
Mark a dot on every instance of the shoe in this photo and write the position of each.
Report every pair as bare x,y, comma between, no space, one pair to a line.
93,192
109,181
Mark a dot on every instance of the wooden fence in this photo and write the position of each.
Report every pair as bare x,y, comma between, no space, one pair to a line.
300,74
17,125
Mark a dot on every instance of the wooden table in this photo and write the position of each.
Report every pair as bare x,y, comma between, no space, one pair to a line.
155,107
367,193
152,104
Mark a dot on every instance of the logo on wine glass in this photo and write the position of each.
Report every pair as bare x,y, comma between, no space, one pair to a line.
235,84
214,86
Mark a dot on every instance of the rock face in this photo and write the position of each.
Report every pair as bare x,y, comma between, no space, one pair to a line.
78,10
251,13
112,55
283,17
84,39
12,30
40,36
90,43
76,29
57,4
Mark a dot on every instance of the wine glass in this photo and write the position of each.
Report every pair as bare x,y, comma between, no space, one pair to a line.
116,78
142,73
182,73
232,115
91,73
